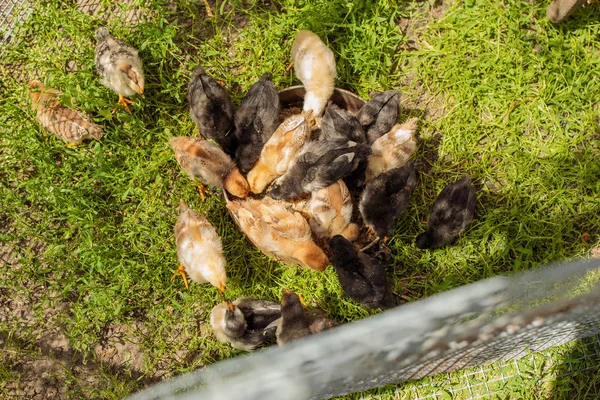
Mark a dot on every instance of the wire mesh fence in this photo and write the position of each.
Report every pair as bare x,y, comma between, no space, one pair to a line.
498,320
12,12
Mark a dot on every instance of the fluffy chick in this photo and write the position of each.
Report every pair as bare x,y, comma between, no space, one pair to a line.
379,114
451,214
67,124
338,123
392,150
278,232
207,162
330,211
318,165
385,197
255,121
199,248
361,277
119,66
244,323
296,322
212,110
314,65
279,151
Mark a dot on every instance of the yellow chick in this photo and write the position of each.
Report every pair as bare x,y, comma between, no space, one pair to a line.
69,125
207,162
331,212
392,150
278,232
314,65
199,249
279,151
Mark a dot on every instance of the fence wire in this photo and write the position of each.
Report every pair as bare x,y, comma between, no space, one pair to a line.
12,12
497,320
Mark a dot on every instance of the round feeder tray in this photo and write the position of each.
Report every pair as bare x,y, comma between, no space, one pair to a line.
294,97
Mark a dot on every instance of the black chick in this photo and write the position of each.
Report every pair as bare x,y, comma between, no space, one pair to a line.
296,322
338,123
319,164
379,114
255,121
245,323
451,214
212,110
361,277
385,197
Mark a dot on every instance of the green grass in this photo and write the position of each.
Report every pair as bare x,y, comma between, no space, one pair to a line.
502,94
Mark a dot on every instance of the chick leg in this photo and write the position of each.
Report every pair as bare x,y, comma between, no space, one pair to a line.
181,271
72,145
204,191
208,9
123,101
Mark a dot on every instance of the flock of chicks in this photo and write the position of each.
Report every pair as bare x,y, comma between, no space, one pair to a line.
309,165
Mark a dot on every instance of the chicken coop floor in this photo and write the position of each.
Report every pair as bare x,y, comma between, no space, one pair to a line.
88,308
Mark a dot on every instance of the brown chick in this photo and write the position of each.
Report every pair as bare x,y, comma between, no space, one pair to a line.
67,124
392,150
278,232
331,212
199,249
279,151
314,65
207,162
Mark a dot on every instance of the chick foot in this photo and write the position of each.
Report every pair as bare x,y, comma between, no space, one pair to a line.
203,190
72,145
124,102
181,271
221,293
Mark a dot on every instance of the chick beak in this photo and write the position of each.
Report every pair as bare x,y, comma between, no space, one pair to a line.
141,90
230,306
221,292
302,300
290,65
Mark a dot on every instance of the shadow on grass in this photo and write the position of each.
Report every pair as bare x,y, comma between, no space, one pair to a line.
73,361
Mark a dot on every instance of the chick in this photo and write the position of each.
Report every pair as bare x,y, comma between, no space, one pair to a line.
385,197
244,323
279,151
255,121
314,65
119,66
207,162
361,277
199,249
212,110
296,322
338,123
278,232
379,114
318,165
67,124
330,211
559,10
392,150
451,214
